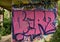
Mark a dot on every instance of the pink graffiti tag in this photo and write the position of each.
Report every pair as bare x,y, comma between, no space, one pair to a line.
33,23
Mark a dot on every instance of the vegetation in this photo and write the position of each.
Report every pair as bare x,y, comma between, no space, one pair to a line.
34,3
6,29
6,4
56,36
59,8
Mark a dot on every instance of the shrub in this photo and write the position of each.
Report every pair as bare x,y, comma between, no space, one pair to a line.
7,26
6,29
56,36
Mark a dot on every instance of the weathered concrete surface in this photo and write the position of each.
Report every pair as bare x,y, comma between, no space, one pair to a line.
6,38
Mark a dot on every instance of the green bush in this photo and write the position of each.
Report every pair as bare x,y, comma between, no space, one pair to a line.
56,36
6,29
7,25
59,8
2,31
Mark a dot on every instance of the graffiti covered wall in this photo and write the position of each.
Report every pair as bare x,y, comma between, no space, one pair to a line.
28,25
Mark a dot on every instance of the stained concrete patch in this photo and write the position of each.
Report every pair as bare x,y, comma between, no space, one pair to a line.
6,38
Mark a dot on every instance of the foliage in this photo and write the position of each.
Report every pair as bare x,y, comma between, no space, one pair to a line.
59,8
56,36
1,12
6,29
31,1
6,4
34,4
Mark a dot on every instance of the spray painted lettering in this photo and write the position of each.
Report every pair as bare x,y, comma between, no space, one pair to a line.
32,23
